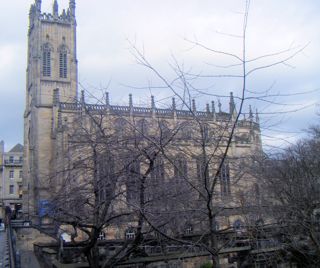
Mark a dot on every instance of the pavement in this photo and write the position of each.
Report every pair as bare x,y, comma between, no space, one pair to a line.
27,256
4,250
28,259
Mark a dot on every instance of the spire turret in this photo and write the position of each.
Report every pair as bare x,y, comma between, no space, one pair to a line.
250,113
38,5
232,105
153,105
208,108
55,9
72,8
257,116
174,104
194,108
213,108
107,99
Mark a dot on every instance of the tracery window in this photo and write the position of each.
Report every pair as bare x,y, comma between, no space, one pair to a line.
186,131
46,60
225,180
133,181
142,127
202,168
105,178
120,127
180,168
158,170
63,63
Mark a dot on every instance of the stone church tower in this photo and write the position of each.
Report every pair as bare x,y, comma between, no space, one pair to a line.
51,68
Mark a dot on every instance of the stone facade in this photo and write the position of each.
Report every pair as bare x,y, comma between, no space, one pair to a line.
11,178
52,106
52,63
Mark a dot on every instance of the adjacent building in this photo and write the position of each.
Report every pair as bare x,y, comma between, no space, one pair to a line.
11,178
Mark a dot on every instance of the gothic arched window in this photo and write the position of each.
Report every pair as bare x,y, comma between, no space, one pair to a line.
186,131
63,62
133,181
202,168
180,167
46,60
105,177
142,127
120,127
225,180
158,169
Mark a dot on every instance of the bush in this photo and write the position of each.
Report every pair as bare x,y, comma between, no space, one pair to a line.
206,265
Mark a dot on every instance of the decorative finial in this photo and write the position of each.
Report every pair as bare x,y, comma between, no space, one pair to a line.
250,113
257,116
219,105
174,104
64,14
153,105
107,99
231,104
82,96
55,9
208,108
194,108
38,5
213,108
130,100
72,7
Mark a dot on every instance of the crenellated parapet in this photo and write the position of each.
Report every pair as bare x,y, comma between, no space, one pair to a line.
65,17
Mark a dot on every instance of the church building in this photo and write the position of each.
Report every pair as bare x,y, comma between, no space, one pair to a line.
53,109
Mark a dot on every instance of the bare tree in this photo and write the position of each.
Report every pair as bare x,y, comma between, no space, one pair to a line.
291,199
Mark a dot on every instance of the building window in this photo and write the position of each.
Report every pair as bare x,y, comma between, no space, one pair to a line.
20,159
11,174
225,180
188,229
180,168
158,169
63,61
133,181
46,61
20,191
238,225
102,236
202,169
20,174
142,127
11,189
130,234
11,159
120,127
105,178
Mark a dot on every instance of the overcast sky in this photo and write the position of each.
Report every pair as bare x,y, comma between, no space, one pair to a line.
161,29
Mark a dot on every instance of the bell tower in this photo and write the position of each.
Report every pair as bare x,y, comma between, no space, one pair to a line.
51,65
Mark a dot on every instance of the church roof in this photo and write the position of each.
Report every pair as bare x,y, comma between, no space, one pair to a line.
18,148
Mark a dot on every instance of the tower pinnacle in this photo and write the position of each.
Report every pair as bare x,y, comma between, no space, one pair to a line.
232,105
72,7
55,9
38,5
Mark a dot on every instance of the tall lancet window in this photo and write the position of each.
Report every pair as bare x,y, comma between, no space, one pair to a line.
225,180
63,62
46,60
